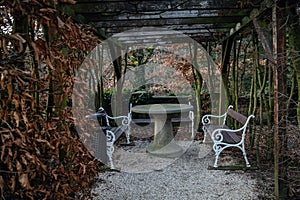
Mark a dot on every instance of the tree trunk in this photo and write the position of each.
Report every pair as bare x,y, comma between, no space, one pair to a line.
253,93
225,69
115,52
198,83
280,115
294,42
269,105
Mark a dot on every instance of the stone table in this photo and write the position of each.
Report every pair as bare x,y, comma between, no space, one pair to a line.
163,144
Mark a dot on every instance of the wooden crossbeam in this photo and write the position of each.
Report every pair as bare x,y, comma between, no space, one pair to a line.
201,20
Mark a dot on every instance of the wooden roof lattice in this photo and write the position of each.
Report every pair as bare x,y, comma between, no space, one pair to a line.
203,21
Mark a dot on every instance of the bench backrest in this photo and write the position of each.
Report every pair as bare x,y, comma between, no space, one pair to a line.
237,116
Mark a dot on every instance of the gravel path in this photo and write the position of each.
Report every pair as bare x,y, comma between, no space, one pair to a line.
187,177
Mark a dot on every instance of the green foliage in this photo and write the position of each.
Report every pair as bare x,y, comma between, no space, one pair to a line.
141,97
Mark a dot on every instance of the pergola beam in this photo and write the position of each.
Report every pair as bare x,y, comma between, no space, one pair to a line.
167,21
201,20
155,6
247,21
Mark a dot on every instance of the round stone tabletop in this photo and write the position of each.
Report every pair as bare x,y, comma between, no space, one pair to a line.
162,108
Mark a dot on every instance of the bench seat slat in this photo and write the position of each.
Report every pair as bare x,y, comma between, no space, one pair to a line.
212,127
237,116
230,138
118,131
176,120
142,121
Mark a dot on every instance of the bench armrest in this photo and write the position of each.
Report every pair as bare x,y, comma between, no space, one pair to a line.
206,119
125,119
216,135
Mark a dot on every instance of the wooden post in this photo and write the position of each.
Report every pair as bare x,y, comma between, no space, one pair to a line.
225,68
198,82
116,55
279,69
294,44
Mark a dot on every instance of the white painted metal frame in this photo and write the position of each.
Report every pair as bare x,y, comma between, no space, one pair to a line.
110,140
110,135
206,121
192,117
126,120
217,137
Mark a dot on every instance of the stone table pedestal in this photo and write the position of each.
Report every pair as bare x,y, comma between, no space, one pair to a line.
163,144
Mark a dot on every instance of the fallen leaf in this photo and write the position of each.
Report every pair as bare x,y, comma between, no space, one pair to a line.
68,1
20,39
1,183
25,118
60,23
24,160
54,174
17,119
2,152
13,183
10,90
4,46
27,96
17,101
45,141
23,179
2,80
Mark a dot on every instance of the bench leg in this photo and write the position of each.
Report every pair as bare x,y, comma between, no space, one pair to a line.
193,132
245,155
191,116
205,134
246,160
110,151
218,149
191,129
128,134
110,147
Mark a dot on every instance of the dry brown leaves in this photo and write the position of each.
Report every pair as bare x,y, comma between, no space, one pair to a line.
41,156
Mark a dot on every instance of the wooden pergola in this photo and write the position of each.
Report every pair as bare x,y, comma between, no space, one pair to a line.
220,21
203,21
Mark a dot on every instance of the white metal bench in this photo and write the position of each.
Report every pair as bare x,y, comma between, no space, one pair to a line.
112,133
224,137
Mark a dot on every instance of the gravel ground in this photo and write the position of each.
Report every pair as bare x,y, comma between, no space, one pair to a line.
145,177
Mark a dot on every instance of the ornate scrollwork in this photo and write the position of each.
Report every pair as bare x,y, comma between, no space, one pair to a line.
110,140
110,136
217,136
125,121
205,120
218,149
